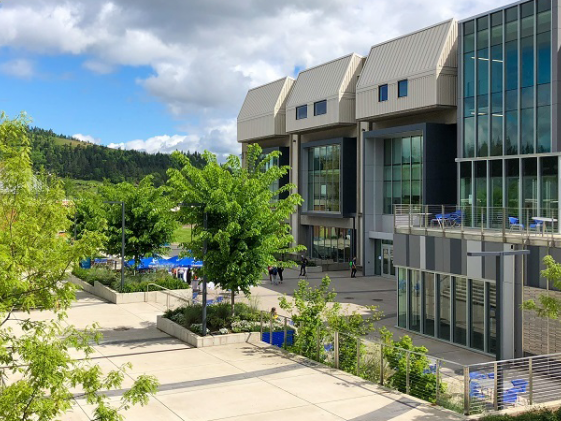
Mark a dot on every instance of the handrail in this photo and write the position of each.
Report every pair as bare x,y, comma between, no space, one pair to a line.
166,291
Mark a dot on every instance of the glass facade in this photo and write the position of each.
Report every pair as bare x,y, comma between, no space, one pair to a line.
324,168
330,243
506,69
403,170
448,307
530,189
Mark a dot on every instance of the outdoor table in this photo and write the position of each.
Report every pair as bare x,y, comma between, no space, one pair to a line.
544,220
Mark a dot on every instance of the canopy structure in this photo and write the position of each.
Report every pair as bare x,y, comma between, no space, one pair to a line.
172,262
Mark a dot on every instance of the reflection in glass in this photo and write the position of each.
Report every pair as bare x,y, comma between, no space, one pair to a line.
496,134
324,178
497,69
549,195
483,71
544,129
530,186
460,311
477,315
544,57
415,300
492,321
511,133
469,137
444,294
482,135
527,61
402,298
511,63
465,184
469,74
527,131
512,184
429,298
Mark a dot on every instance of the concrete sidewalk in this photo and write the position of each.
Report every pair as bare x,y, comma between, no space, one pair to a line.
234,382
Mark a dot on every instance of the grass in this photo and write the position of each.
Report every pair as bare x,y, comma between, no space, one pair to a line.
71,142
182,234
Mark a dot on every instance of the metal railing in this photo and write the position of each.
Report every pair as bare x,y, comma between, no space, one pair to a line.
482,220
169,292
467,389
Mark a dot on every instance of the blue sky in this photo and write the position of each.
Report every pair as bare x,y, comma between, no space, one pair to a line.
128,73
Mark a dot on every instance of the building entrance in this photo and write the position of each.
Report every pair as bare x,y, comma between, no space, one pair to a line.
388,269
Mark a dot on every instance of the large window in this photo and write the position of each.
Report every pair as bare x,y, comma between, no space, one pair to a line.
324,165
301,112
320,107
506,67
451,308
403,169
331,244
382,93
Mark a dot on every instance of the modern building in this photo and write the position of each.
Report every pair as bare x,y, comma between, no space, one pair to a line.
436,161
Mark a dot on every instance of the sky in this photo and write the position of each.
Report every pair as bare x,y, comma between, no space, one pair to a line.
165,75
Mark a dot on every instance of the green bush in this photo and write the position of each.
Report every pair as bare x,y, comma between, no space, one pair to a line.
219,316
140,284
537,415
97,273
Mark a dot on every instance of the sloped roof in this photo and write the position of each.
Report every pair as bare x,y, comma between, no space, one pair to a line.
406,56
320,82
263,99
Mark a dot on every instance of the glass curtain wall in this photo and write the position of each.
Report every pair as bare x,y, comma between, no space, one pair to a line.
506,92
451,308
273,162
403,169
324,165
524,178
330,243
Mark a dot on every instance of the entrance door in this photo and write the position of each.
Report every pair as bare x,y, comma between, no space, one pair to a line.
388,269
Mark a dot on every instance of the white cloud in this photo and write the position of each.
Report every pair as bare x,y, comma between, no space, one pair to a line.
87,138
19,68
205,55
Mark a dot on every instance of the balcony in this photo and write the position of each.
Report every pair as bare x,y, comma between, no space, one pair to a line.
496,224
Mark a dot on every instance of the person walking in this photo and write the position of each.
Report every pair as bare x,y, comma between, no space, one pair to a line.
353,268
280,270
269,269
274,272
303,264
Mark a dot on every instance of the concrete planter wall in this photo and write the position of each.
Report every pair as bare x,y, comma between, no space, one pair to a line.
185,335
101,291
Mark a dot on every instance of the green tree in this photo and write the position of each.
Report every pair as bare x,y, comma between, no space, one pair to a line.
39,375
88,215
548,306
246,226
149,221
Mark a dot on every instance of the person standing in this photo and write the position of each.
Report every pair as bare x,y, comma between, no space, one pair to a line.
353,268
274,272
280,270
303,264
270,270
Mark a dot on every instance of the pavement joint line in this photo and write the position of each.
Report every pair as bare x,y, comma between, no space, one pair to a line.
132,354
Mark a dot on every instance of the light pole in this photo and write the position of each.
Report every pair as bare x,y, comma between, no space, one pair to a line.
205,245
122,245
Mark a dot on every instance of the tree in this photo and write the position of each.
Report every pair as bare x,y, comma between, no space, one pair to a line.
548,306
149,221
87,216
246,226
41,376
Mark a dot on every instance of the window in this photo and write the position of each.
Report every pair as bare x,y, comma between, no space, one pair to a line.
402,88
330,243
324,178
403,169
382,93
320,107
301,112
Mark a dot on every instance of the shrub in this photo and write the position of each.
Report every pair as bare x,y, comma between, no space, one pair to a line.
98,273
141,285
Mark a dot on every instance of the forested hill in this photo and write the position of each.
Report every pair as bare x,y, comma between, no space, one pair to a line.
68,157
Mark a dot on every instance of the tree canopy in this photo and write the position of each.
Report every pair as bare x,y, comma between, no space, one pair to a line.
40,375
149,220
548,306
246,226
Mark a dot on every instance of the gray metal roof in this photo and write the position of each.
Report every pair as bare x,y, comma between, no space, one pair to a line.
406,56
321,82
265,99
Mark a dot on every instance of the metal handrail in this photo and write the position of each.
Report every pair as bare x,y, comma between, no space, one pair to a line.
168,292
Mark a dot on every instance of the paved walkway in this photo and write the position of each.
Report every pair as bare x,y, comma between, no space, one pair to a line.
366,291
235,382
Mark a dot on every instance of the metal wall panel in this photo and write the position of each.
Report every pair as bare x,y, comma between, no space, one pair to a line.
447,89
256,128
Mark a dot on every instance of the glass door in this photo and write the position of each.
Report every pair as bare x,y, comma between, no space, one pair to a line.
388,269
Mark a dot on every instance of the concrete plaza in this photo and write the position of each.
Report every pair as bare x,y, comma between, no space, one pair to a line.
234,382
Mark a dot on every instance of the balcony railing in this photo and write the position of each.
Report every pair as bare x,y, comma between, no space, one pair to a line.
486,221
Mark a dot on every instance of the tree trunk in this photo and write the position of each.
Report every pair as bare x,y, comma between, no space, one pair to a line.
232,301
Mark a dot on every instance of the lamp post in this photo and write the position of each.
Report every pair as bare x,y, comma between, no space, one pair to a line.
205,245
122,245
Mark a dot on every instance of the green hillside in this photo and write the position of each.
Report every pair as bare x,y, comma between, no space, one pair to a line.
72,159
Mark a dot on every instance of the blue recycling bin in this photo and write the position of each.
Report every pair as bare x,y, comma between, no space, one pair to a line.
278,338
86,263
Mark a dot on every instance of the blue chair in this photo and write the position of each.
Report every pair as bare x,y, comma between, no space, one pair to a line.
515,223
209,302
511,396
491,375
477,375
328,347
520,385
219,299
538,226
